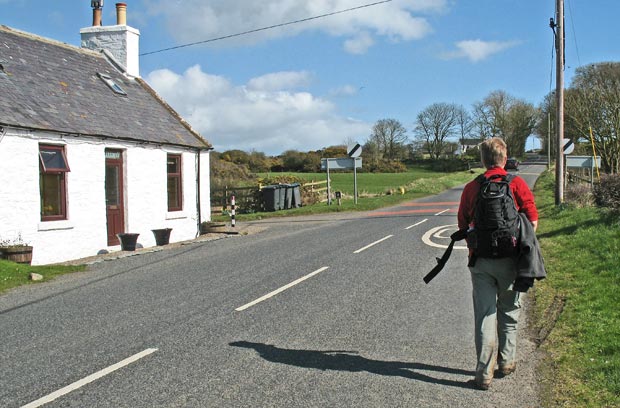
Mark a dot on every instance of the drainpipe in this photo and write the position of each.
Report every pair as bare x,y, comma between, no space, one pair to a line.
198,190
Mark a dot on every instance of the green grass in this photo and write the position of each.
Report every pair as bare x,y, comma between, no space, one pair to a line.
13,274
581,247
372,187
367,183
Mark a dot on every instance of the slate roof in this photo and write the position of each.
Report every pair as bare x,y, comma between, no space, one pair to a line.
48,85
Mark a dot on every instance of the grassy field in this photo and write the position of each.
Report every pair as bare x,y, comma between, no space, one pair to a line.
367,183
577,310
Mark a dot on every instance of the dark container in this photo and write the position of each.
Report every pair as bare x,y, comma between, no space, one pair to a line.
162,236
271,198
128,241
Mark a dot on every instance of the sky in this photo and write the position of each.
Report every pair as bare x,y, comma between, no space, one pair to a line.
327,81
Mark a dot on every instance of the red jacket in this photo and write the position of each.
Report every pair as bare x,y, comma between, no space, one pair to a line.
524,199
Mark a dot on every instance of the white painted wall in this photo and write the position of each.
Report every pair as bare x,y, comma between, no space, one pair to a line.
84,233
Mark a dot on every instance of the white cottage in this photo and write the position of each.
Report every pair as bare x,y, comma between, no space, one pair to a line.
88,150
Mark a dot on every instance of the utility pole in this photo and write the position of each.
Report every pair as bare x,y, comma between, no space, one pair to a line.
559,47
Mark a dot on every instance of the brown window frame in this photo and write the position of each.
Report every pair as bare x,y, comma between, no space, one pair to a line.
178,176
59,172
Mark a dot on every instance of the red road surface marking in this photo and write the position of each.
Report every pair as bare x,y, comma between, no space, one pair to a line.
438,207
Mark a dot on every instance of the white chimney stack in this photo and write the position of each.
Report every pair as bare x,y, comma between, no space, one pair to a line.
120,40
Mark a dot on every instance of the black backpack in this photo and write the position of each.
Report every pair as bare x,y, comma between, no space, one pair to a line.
496,220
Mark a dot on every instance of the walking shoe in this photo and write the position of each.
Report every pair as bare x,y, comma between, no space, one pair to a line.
507,369
482,384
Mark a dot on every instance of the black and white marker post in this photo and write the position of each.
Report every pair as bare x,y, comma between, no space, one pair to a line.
232,211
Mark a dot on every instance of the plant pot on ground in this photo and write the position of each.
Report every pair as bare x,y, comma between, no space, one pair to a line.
17,253
128,241
162,236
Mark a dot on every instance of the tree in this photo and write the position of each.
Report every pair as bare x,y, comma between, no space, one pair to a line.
390,137
521,122
259,162
235,156
593,102
504,116
435,124
335,151
464,123
545,127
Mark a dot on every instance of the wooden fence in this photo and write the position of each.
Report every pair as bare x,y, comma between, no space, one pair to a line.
247,199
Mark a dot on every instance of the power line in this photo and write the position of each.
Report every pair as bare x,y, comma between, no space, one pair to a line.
267,28
572,23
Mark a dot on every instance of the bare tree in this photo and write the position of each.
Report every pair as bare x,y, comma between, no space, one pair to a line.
491,114
464,123
389,136
593,102
435,124
504,116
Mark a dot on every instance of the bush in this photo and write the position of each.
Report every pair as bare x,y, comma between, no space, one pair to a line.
384,166
447,165
580,195
607,192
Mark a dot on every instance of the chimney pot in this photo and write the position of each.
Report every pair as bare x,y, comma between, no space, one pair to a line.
121,13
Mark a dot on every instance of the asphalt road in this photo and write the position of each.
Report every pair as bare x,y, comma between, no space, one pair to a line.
323,311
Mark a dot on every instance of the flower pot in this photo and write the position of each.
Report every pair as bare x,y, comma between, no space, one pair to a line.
128,241
162,236
17,253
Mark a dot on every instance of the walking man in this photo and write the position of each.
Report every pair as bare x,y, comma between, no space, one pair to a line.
493,272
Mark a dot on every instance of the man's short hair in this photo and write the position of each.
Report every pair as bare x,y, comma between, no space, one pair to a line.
493,152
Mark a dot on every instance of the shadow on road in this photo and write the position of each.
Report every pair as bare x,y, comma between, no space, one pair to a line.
342,360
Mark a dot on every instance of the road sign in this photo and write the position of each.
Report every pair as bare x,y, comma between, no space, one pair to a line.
567,146
341,163
355,151
582,161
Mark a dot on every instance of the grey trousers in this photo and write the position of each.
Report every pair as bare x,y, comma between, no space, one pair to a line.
496,313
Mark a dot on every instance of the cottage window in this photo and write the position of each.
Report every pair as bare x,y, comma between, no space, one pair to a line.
175,190
52,182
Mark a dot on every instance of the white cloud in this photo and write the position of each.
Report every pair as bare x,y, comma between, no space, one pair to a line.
478,50
344,91
202,20
256,116
359,44
280,81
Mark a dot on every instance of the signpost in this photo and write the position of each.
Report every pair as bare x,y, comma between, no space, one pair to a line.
584,162
341,163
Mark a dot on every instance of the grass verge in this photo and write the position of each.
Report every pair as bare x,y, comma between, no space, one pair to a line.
13,274
577,313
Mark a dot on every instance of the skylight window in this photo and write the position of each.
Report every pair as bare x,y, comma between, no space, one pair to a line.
113,85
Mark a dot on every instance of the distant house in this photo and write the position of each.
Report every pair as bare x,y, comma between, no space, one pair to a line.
466,144
88,150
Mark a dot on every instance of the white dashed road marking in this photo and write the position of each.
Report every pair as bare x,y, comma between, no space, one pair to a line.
87,380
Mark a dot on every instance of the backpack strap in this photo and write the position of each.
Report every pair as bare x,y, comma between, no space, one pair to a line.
508,177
